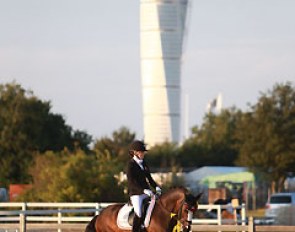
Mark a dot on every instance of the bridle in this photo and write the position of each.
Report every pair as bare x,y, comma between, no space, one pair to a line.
180,221
190,211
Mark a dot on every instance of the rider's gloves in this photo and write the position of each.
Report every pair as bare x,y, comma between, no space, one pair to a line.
158,190
148,192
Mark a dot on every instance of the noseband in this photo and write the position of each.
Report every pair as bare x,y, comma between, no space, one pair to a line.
190,211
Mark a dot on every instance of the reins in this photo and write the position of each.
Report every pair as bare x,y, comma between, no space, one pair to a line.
180,221
190,211
179,214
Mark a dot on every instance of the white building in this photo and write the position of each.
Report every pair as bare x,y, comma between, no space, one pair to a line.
162,24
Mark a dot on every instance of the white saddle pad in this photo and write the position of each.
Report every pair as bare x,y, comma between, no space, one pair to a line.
122,218
123,214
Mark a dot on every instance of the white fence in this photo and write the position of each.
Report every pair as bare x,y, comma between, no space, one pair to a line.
241,219
19,216
16,216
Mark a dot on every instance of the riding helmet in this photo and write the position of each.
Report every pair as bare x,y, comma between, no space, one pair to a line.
137,146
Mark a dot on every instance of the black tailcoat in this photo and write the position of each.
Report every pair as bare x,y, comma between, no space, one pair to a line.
139,179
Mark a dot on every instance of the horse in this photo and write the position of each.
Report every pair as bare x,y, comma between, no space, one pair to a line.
175,206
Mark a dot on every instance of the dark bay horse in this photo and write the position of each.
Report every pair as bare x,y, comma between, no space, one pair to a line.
177,201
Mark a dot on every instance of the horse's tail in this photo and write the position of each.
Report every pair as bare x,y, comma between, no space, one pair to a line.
91,225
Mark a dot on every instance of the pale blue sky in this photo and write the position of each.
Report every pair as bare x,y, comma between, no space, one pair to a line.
83,56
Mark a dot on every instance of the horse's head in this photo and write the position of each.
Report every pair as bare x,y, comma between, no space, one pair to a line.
190,205
181,203
191,202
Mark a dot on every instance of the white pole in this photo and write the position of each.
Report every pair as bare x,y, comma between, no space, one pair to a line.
186,116
219,103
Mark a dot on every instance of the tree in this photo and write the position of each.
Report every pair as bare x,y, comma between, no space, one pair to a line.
27,126
192,154
117,145
81,140
75,177
212,143
266,135
15,145
78,176
112,188
163,155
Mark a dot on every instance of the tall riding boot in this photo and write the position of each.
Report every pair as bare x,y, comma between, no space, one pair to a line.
136,224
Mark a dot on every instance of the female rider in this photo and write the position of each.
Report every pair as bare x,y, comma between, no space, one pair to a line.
139,181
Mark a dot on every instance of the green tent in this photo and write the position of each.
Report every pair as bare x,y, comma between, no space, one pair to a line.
237,177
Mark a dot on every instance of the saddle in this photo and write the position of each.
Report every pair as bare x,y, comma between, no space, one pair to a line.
126,214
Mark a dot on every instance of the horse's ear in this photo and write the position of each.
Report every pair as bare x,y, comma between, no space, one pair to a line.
198,196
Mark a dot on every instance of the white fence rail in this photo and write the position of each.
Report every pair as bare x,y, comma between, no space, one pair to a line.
60,213
65,213
219,220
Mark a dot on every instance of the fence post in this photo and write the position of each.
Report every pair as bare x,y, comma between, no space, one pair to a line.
97,208
251,225
59,219
219,216
22,218
235,205
243,214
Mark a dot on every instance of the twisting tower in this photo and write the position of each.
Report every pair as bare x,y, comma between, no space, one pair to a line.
162,24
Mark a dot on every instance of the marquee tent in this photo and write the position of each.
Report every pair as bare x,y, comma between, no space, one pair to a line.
210,176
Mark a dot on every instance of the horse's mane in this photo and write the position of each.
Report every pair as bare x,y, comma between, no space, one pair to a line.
176,190
181,188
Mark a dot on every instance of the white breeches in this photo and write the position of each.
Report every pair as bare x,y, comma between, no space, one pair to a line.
136,201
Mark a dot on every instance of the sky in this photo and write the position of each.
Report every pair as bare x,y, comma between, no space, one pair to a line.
83,56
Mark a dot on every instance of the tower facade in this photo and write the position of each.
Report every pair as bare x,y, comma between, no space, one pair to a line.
162,24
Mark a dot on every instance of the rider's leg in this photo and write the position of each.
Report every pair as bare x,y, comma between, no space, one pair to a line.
136,224
137,204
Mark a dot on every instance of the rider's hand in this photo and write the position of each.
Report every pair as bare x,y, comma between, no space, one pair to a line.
158,190
148,192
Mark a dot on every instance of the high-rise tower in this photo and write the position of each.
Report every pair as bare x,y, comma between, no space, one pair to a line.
162,24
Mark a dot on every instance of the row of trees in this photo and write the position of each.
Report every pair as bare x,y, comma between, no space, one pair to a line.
38,147
26,127
75,177
262,138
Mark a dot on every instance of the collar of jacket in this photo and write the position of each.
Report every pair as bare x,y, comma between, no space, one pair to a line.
138,161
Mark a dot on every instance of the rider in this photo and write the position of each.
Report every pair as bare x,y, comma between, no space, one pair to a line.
139,181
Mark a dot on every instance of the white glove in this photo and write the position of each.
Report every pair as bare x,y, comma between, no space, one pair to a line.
158,190
148,192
